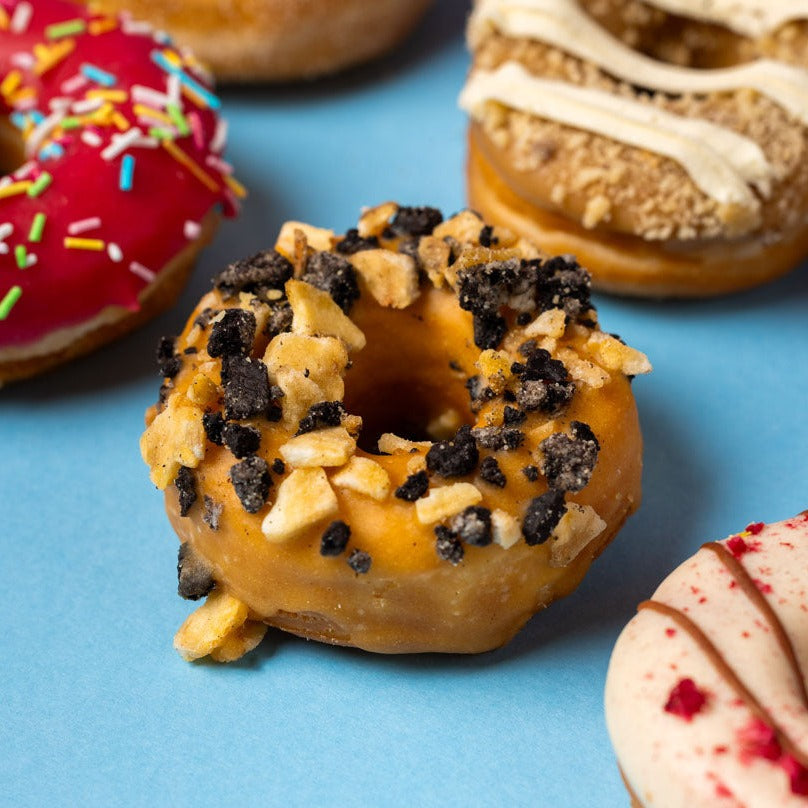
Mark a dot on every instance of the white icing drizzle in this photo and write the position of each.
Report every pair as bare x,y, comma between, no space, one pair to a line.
562,24
753,18
720,162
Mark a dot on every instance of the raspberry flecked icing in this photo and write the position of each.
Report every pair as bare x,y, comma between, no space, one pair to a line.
121,165
706,699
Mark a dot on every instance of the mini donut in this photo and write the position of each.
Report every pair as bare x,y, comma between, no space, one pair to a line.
409,437
706,700
120,181
281,40
662,142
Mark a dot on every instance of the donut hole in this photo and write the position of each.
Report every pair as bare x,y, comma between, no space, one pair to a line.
410,377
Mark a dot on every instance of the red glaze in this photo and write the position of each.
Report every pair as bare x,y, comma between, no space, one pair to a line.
69,286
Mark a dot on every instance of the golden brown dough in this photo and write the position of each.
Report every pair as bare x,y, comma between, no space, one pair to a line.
421,475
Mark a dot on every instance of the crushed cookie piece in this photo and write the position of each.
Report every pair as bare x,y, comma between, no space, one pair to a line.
304,498
205,316
568,462
352,243
473,526
564,285
251,481
414,487
365,476
489,329
448,546
212,513
246,388
333,274
511,416
456,457
441,503
531,472
315,313
241,440
545,384
168,362
359,561
321,415
194,574
174,438
543,514
233,335
213,424
324,447
279,319
335,539
416,221
479,392
492,473
391,278
498,438
257,274
487,237
185,483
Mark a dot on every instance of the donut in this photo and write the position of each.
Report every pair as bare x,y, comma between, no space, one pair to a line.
120,181
281,40
662,142
706,699
407,437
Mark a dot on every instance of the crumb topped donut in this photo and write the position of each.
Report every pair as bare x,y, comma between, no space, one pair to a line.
409,437
280,40
706,698
119,182
662,142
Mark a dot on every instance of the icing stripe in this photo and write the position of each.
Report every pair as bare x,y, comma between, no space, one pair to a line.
741,576
719,161
753,18
726,672
562,24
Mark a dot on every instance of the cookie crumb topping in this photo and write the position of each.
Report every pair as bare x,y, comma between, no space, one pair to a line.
335,275
473,526
359,561
543,514
168,363
251,480
185,483
456,457
212,513
568,461
257,275
491,472
233,334
241,440
246,388
194,574
448,546
335,539
414,487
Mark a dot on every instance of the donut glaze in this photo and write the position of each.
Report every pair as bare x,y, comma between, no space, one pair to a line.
706,691
119,141
434,466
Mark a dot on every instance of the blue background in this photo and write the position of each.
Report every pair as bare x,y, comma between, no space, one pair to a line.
96,708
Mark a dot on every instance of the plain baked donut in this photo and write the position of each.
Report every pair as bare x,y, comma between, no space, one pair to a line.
410,437
280,40
662,142
119,184
706,698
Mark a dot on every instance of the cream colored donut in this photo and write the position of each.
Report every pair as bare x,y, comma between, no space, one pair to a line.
669,152
435,439
280,40
706,698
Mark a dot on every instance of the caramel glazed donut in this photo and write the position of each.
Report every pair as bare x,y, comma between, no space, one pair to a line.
662,142
407,438
280,40
706,698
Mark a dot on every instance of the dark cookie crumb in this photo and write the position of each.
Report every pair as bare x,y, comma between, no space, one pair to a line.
278,466
212,513
456,457
524,318
492,473
352,243
564,285
487,237
568,462
359,561
233,335
415,221
335,539
414,487
473,526
448,546
168,362
194,576
279,320
321,415
531,472
185,483
479,392
257,274
191,349
205,316
499,438
246,388
213,424
251,481
489,329
513,417
543,514
335,275
544,382
241,440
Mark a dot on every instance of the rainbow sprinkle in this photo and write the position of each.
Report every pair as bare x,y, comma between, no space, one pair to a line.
161,59
66,28
127,173
8,302
37,226
40,184
21,256
94,244
99,76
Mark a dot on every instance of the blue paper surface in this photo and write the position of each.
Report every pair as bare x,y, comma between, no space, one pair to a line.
96,708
